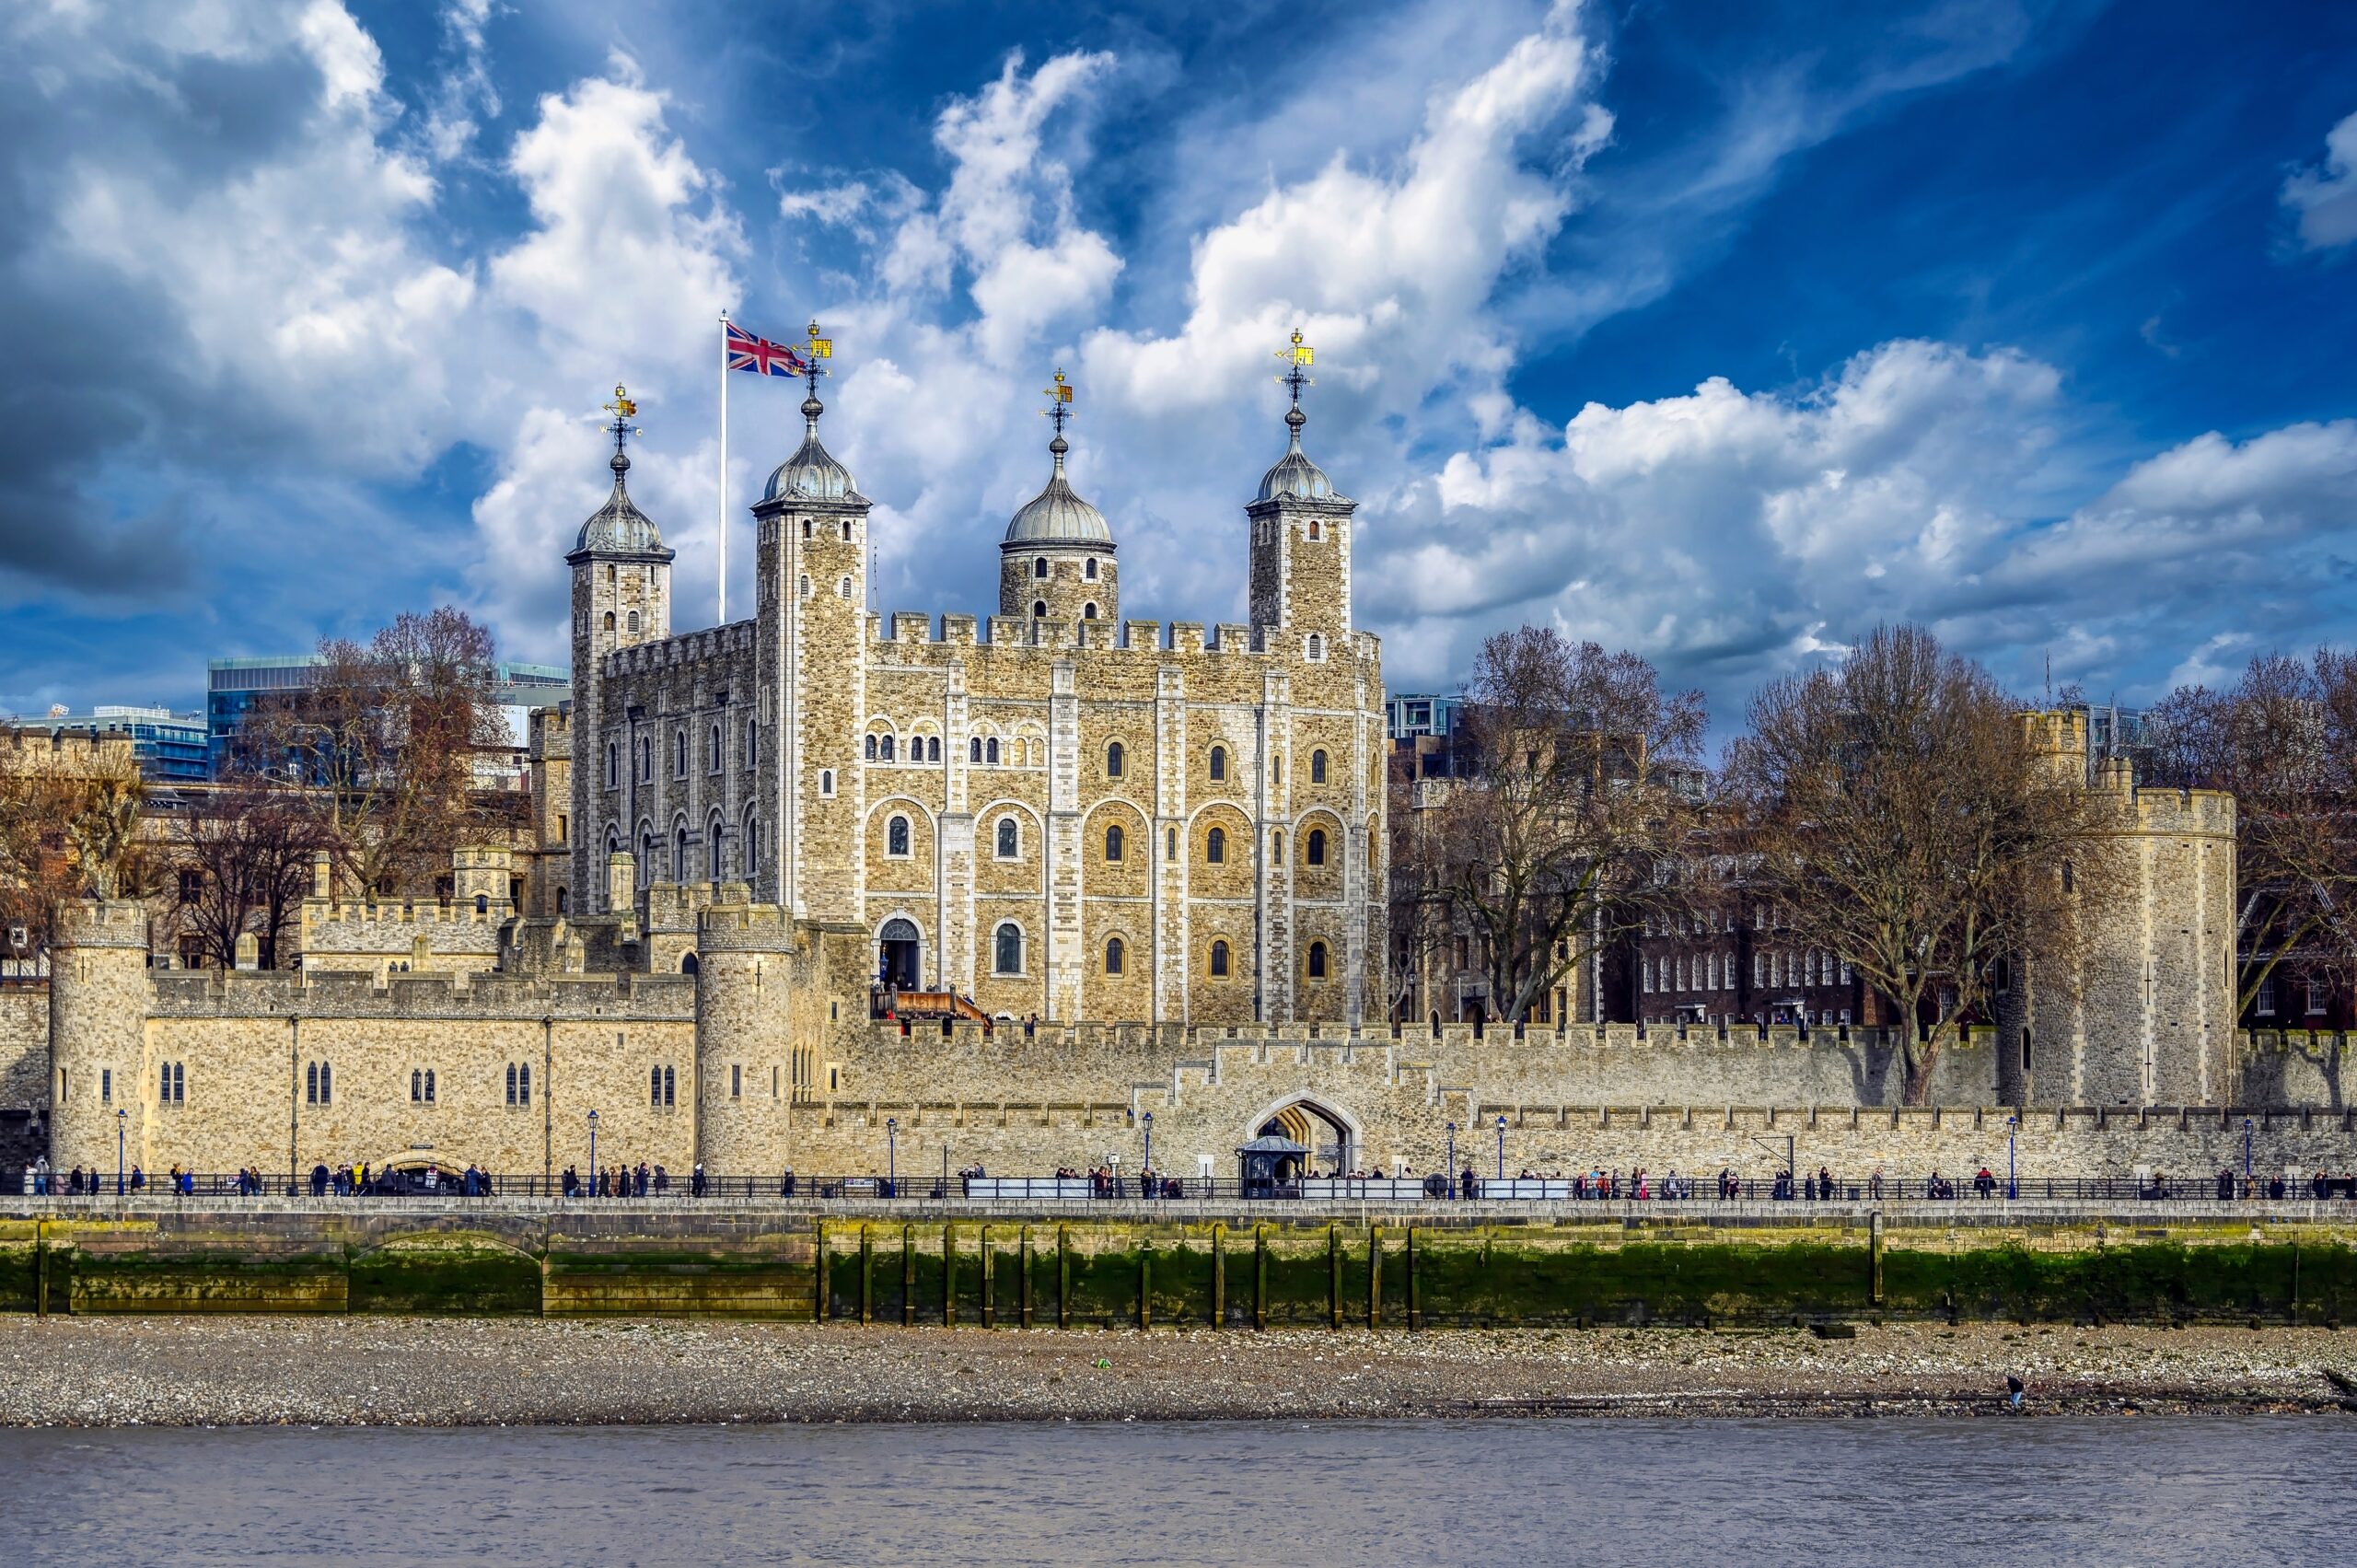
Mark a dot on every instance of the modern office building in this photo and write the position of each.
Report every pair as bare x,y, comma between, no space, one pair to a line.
233,686
169,746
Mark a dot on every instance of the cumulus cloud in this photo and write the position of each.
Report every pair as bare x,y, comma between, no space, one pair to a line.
2323,199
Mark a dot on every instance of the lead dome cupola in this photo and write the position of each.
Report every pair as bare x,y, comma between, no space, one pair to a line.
812,473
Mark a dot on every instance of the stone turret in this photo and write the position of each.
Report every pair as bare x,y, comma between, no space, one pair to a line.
104,1088
1301,543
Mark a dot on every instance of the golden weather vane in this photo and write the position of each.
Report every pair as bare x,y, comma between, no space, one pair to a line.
1296,355
624,408
1058,398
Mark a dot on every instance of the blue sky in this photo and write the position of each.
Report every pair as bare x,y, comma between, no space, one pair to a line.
1719,331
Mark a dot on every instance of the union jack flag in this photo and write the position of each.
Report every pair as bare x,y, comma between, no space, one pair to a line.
761,356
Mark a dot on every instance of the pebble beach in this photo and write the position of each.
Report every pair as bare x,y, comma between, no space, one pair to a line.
99,1372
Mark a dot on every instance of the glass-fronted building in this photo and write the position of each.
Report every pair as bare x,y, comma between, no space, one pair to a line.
170,747
234,687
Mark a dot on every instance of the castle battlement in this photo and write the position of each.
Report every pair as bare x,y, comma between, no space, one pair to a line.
244,994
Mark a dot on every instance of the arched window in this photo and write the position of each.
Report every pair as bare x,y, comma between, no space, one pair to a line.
871,749
416,1086
429,1085
511,1083
712,832
1219,763
1313,529
669,1085
896,836
1006,838
974,748
1039,610
1316,647
1318,766
805,587
1115,955
1277,846
842,588
310,1084
524,1084
483,903
1313,848
655,1086
845,526
559,901
1215,846
1089,610
613,764
932,749
1219,961
691,964
884,747
1039,566
752,855
609,620
1170,849
711,760
1114,760
752,743
633,620
990,751
1006,957
327,1084
1113,841
805,528
679,851
1318,961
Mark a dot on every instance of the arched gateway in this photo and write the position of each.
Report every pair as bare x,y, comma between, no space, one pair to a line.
1329,1137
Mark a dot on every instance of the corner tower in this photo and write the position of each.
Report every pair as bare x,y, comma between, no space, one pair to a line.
811,528
621,597
1056,561
1301,540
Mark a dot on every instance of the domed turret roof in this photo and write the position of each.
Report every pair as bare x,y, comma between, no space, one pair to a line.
1295,474
812,473
1057,515
619,528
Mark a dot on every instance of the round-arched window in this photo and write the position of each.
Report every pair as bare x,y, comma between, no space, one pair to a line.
1318,766
1039,566
1219,961
1115,759
1006,838
1215,846
1318,961
896,836
1113,841
1219,763
1039,609
1006,955
1314,847
1115,955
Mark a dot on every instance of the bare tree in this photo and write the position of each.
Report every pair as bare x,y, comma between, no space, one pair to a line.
388,736
69,827
1900,814
1417,886
248,849
1579,793
2283,739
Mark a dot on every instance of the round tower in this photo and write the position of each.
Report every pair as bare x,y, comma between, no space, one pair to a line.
100,997
1056,561
745,1032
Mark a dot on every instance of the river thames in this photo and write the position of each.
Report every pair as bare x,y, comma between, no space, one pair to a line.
1954,1491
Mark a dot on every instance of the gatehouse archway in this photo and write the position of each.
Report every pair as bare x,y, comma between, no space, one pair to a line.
899,955
1330,1135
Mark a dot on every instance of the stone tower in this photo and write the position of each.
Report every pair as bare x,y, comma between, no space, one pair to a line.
621,597
103,1087
1056,561
2145,1014
811,524
1300,546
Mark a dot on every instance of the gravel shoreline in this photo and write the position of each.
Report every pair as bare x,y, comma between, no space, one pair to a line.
461,1372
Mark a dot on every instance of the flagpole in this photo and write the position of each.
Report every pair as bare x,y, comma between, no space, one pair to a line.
724,468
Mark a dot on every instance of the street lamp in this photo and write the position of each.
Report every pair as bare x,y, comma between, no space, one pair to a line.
122,1120
1452,1159
1146,1166
892,1155
2245,1157
1501,1148
2012,1130
592,1154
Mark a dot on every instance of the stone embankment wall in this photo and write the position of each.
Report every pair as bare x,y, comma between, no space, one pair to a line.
1240,1270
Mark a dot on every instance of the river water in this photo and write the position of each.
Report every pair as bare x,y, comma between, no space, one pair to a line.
2121,1490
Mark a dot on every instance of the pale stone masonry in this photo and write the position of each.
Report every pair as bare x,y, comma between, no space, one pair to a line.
1057,813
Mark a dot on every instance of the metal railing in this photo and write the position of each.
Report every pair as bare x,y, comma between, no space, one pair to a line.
1678,1191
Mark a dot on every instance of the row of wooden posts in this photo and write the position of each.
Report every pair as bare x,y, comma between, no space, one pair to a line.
1026,1310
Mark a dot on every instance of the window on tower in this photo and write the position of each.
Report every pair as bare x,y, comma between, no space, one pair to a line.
1039,566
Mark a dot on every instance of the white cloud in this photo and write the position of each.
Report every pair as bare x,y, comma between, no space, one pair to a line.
2324,198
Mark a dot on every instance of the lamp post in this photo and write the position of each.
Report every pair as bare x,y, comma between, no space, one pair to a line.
2012,1130
891,1157
592,1154
122,1121
1501,1148
1146,1166
2245,1157
1451,1167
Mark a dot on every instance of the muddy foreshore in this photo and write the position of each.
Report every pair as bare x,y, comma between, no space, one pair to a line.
458,1371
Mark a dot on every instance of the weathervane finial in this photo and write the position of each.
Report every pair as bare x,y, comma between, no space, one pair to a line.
1296,355
624,409
1059,396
